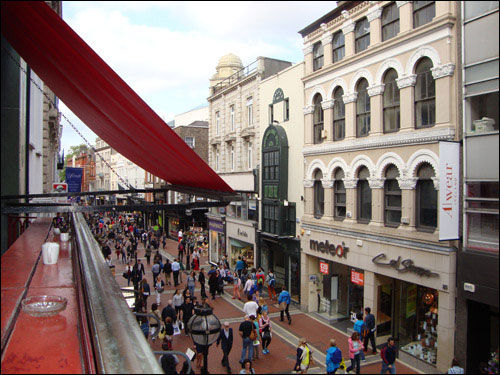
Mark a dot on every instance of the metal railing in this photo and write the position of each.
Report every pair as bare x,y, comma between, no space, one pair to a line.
235,77
118,342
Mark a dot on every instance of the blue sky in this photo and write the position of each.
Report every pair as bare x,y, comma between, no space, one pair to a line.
167,51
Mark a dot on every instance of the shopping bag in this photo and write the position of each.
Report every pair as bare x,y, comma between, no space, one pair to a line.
177,331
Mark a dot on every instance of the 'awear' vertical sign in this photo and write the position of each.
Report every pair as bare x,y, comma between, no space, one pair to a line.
449,189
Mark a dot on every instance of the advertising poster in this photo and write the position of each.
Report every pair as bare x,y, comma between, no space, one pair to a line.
74,181
357,278
449,189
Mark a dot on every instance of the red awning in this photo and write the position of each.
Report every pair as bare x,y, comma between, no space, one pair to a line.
100,98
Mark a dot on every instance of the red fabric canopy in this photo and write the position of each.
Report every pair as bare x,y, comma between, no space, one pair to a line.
100,98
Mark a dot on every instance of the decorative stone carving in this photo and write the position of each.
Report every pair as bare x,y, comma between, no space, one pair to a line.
407,183
327,39
308,183
444,70
350,183
374,14
436,182
406,81
376,183
348,27
349,98
327,104
309,110
345,14
327,183
401,3
307,50
376,90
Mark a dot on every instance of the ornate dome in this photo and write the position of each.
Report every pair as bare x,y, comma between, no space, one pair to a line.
230,60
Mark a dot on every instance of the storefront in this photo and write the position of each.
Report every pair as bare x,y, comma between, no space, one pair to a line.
184,220
240,241
216,239
283,257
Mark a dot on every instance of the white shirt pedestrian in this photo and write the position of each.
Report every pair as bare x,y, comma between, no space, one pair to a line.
250,308
248,286
175,266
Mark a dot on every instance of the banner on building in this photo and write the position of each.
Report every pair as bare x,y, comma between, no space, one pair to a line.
74,181
449,189
357,278
324,268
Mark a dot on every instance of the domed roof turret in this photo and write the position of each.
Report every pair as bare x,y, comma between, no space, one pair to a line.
230,60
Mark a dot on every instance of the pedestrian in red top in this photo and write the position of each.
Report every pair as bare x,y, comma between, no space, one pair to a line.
355,348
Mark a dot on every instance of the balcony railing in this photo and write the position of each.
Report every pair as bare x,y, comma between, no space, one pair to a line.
238,76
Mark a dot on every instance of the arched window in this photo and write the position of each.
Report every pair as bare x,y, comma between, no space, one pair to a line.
338,115
390,22
425,95
362,109
364,196
317,56
392,117
338,46
426,198
362,35
340,197
392,201
319,195
423,12
318,119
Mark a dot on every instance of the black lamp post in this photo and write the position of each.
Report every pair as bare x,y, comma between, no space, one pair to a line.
204,328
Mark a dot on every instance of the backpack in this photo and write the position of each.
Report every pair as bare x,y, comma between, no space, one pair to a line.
260,279
337,356
272,282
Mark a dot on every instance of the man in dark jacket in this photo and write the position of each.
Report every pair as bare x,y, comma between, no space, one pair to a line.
388,354
187,312
226,341
370,324
169,311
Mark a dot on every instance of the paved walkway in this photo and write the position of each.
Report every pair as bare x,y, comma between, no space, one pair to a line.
281,358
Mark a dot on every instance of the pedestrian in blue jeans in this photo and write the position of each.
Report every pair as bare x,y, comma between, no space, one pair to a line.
245,330
388,354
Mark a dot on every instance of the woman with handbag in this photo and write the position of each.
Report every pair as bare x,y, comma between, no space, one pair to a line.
284,302
159,288
256,340
304,357
265,331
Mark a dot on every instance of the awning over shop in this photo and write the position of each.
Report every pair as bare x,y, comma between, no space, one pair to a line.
100,98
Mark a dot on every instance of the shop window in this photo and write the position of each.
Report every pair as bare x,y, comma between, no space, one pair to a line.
482,210
423,12
392,201
362,35
392,117
318,119
482,112
364,196
425,95
319,195
338,115
362,109
338,46
390,22
339,195
317,56
426,198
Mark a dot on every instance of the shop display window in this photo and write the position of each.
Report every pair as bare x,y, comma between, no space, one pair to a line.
239,248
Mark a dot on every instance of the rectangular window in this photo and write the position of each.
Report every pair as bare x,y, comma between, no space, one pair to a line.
482,113
286,110
317,56
232,117
482,211
250,111
217,123
338,46
423,12
362,35
250,155
231,158
390,22
217,161
189,141
271,114
425,100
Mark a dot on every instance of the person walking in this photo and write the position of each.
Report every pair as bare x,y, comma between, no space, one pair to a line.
178,300
140,267
181,249
333,358
147,254
213,284
201,280
153,323
191,282
236,288
167,270
359,327
226,340
256,341
245,331
187,313
169,311
271,284
248,286
175,270
355,350
159,288
284,302
240,265
128,273
146,290
370,329
155,270
265,331
250,307
304,357
388,355
261,277
247,367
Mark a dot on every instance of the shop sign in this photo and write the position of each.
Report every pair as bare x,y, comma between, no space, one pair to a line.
325,247
324,268
242,233
357,278
216,226
406,265
449,190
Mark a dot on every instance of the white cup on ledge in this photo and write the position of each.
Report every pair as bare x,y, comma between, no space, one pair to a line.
65,237
50,252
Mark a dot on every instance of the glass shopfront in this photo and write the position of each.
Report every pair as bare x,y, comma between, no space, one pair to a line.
240,248
173,227
409,312
217,240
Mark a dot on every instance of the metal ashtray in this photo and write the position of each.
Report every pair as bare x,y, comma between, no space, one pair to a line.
41,306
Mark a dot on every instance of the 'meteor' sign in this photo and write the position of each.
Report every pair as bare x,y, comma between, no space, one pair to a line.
325,247
403,265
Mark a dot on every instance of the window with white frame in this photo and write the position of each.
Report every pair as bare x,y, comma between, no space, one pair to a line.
390,22
423,12
317,56
364,196
232,117
362,35
250,155
217,123
338,46
250,111
189,141
392,117
231,158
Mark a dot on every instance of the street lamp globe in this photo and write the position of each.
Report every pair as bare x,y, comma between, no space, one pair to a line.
204,326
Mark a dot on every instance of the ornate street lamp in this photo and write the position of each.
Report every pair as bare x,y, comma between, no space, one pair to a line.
204,328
